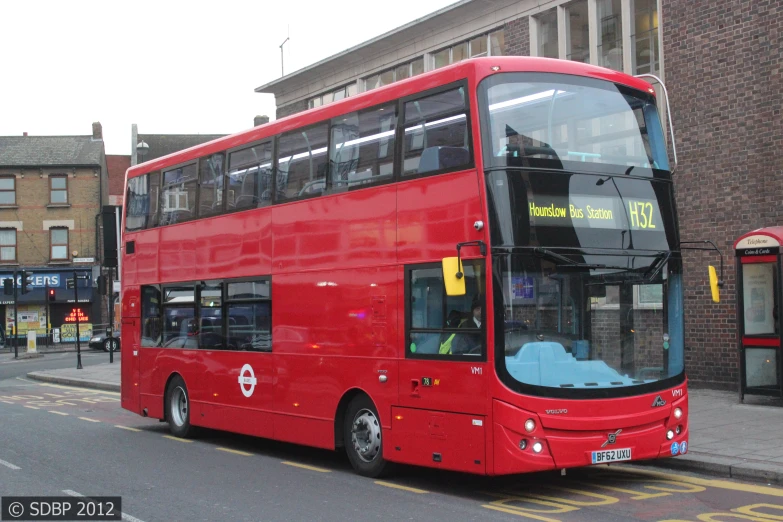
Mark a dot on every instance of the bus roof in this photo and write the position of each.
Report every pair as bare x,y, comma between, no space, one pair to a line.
479,68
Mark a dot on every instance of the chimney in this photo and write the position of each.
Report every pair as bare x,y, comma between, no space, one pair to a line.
260,120
97,131
24,134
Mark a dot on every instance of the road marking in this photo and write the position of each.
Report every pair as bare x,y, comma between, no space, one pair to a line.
6,402
63,387
126,428
397,486
714,483
8,465
125,516
32,407
519,513
305,466
171,437
58,412
236,452
89,419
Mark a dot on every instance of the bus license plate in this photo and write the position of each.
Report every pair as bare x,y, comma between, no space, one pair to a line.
615,455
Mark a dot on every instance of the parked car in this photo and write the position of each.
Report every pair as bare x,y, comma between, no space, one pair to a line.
99,341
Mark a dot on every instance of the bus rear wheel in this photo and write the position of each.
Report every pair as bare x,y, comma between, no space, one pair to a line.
178,408
363,438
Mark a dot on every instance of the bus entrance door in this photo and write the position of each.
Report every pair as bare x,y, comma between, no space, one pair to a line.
443,383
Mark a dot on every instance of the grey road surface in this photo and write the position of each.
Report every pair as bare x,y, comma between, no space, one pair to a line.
58,438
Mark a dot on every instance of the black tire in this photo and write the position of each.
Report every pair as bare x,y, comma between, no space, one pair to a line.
176,411
362,437
106,347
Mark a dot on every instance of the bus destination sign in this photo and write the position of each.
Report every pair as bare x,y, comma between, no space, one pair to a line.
581,211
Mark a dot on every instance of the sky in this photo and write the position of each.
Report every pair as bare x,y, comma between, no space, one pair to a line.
169,66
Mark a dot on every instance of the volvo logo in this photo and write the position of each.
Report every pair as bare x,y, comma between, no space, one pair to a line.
611,438
658,402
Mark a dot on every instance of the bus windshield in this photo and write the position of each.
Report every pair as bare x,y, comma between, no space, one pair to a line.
576,322
571,122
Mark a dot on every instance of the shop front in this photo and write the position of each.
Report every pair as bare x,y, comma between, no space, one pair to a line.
50,307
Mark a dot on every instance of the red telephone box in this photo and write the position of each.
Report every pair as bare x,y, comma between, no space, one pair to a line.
758,313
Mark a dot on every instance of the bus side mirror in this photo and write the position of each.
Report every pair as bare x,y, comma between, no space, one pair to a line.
714,284
453,277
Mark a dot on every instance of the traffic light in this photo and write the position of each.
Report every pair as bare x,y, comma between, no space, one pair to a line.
27,281
101,280
8,286
51,296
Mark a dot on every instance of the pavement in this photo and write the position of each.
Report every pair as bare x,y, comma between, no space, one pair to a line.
727,438
100,376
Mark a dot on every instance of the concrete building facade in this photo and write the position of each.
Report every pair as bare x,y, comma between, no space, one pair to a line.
721,62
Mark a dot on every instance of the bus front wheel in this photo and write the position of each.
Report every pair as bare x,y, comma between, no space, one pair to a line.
178,408
362,437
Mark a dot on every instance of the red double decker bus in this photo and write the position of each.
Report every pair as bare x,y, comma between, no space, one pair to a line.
475,269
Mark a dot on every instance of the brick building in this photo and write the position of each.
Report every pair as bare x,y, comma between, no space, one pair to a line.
721,62
51,190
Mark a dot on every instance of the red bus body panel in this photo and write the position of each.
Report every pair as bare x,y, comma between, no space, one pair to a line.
337,264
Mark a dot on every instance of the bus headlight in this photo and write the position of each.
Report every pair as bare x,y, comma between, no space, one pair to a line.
538,447
677,413
530,425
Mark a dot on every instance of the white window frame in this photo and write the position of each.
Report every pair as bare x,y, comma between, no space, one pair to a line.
627,21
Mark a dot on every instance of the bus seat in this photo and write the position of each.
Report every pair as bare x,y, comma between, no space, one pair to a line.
437,158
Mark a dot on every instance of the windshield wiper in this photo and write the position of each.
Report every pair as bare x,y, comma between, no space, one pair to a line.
570,263
656,266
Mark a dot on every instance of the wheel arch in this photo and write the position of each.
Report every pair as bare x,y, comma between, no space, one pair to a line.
342,407
166,392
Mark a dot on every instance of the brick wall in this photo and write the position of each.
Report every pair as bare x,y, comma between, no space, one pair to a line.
723,66
34,211
291,108
517,36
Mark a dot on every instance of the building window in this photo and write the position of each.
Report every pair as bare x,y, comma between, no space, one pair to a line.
58,190
490,44
8,191
400,72
338,94
610,35
8,245
547,35
646,56
58,244
577,32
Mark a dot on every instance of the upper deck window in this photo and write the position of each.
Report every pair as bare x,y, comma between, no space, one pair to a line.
250,177
362,148
211,182
142,202
302,162
178,197
436,133
561,121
